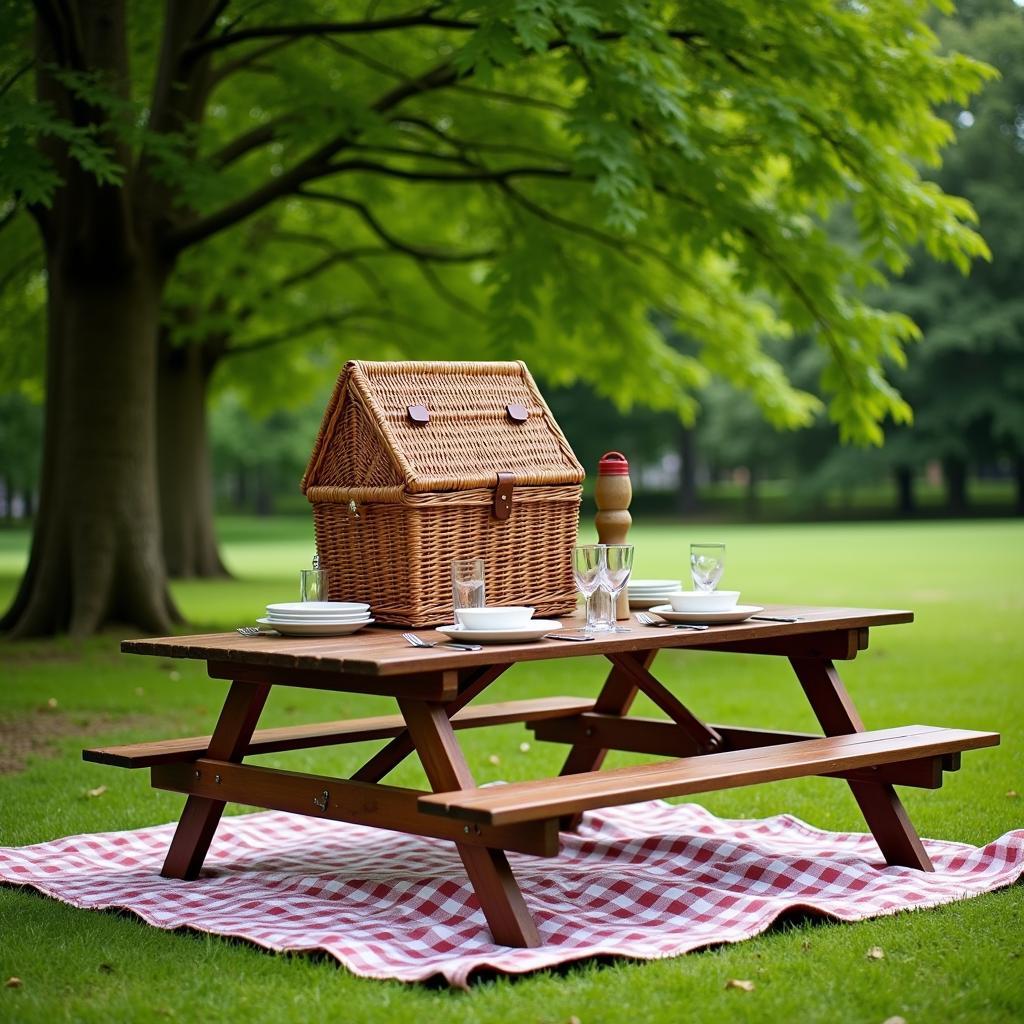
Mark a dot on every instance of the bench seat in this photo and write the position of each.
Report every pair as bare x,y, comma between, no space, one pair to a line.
568,795
299,737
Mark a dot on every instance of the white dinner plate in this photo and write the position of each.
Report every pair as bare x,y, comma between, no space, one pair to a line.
737,614
653,584
313,628
346,617
650,602
314,609
533,630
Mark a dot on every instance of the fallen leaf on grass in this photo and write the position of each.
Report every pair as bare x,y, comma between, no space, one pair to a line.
1012,794
573,1020
524,748
875,953
51,703
12,983
98,791
740,983
494,759
894,1020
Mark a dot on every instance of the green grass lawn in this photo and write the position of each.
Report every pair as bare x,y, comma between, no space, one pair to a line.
959,664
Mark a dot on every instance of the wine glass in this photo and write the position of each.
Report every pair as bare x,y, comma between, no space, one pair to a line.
707,561
587,569
618,566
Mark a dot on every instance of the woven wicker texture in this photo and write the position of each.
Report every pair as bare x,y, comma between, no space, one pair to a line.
394,502
469,436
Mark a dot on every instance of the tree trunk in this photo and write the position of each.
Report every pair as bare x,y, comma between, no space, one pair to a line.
1018,475
954,472
95,555
184,464
753,496
906,503
687,495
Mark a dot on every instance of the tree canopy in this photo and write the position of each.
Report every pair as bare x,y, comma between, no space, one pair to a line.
530,179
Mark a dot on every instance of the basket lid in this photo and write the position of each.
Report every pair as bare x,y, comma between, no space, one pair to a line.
441,426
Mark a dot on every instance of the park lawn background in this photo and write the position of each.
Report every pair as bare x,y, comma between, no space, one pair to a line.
959,664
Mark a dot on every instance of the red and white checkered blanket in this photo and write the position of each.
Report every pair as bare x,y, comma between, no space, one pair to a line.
645,881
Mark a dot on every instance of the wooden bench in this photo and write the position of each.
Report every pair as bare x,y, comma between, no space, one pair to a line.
321,734
544,799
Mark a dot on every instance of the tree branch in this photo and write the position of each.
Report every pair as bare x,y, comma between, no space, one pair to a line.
326,320
497,176
261,135
417,252
432,278
321,28
24,69
217,75
316,165
515,98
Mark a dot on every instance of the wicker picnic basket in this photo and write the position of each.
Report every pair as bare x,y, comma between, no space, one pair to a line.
417,463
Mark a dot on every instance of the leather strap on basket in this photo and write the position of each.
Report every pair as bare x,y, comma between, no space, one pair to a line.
418,414
517,413
503,496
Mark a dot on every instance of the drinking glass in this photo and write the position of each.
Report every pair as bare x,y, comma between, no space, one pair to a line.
312,584
618,566
588,566
467,583
707,561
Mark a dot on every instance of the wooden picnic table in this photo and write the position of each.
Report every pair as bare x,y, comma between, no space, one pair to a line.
435,690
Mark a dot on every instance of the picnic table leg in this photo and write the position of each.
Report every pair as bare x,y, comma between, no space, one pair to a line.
883,810
242,708
616,698
396,750
489,872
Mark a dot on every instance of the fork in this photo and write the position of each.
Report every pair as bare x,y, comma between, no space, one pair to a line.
648,620
775,618
416,641
254,631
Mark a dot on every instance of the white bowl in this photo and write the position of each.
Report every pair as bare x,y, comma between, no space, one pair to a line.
698,601
507,617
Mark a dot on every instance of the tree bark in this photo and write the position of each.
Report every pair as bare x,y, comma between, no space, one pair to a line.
954,472
95,555
687,495
906,502
184,464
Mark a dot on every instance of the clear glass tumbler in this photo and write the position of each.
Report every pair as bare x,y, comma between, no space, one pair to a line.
468,583
707,562
312,584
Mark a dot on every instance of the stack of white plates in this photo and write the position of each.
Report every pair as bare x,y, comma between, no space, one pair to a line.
648,593
316,618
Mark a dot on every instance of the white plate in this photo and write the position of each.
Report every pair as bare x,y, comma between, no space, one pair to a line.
313,628
349,617
653,584
533,630
737,614
314,609
649,602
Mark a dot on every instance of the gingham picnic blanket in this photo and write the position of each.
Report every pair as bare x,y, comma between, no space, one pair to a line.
646,881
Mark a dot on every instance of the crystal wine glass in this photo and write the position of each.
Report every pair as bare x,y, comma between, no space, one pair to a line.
587,569
618,566
707,561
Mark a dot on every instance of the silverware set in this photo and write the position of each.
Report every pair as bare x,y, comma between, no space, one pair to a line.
417,641
649,620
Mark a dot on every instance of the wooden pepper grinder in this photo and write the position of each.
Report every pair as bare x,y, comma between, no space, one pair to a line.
612,494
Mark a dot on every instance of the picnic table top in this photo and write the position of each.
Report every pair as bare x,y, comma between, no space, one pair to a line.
381,651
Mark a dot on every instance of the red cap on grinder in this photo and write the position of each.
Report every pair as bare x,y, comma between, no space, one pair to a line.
613,464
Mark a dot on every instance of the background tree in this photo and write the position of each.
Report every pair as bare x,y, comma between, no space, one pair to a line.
611,159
